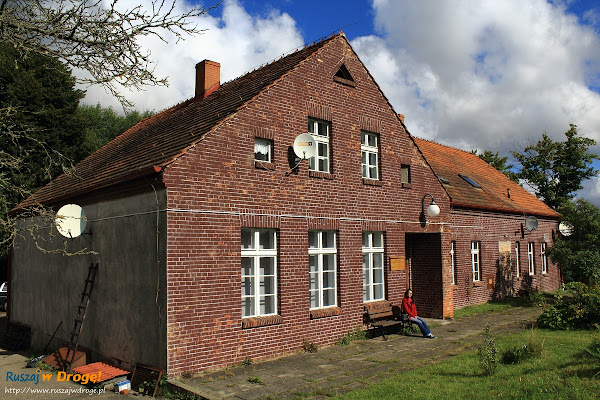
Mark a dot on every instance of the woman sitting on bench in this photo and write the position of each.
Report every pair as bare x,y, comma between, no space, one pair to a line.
409,307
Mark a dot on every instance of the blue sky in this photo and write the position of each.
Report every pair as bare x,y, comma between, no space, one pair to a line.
473,74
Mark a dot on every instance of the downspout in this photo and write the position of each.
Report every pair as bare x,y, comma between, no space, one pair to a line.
8,291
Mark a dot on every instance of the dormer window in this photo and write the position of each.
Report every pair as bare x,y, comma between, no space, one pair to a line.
470,181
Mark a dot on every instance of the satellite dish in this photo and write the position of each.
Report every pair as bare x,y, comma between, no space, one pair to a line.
531,223
305,146
565,228
70,220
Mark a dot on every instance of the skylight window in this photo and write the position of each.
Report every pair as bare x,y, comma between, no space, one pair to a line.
470,181
444,180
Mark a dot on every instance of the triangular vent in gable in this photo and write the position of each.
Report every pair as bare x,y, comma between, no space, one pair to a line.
343,76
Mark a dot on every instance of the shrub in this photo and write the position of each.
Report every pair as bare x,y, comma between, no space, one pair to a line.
577,308
488,353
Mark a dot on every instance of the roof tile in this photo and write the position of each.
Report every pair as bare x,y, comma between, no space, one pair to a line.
449,163
158,140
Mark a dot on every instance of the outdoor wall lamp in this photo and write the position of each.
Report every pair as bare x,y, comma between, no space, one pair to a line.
433,210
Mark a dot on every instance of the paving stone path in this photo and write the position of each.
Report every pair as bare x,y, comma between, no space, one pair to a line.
339,369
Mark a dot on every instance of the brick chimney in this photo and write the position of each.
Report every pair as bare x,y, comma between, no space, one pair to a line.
208,78
401,116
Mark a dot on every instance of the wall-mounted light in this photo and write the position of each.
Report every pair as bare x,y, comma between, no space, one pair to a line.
433,210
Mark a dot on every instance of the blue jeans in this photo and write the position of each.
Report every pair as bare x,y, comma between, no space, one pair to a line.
422,325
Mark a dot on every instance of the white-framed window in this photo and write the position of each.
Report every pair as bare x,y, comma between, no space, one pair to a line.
530,257
476,260
263,150
453,261
259,272
517,257
322,255
543,258
369,148
373,276
320,132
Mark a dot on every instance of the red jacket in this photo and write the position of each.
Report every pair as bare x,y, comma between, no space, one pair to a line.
409,307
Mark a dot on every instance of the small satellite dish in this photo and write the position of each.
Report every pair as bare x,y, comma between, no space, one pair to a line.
70,221
305,146
531,223
565,228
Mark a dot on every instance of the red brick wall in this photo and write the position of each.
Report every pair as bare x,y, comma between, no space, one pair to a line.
492,228
216,182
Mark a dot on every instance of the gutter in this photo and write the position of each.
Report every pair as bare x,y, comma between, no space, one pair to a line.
498,209
31,201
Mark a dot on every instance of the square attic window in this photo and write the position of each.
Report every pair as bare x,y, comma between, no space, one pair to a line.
470,181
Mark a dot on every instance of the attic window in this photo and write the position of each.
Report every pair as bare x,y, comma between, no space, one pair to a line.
470,181
343,76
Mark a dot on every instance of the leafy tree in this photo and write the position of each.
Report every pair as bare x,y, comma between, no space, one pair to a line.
500,163
579,254
555,170
40,130
101,124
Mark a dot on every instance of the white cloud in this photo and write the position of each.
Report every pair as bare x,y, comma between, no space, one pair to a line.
490,75
485,74
238,41
591,191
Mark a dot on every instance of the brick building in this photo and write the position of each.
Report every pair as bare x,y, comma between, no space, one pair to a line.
493,253
215,243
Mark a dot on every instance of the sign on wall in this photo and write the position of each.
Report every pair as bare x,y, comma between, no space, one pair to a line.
397,263
504,247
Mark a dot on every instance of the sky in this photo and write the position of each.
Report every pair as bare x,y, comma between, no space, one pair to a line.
472,74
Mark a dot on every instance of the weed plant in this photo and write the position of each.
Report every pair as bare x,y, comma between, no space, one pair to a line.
517,354
256,379
355,334
309,347
488,352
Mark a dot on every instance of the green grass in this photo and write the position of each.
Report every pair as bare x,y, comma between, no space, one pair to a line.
560,372
492,306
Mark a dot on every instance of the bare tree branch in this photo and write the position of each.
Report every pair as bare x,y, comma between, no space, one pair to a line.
101,39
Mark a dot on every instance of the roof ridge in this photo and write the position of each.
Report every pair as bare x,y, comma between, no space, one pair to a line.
287,53
445,145
156,141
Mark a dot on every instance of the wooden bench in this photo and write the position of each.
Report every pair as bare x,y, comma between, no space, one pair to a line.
384,316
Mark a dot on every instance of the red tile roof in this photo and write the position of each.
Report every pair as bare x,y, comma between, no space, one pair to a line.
448,163
153,143
102,371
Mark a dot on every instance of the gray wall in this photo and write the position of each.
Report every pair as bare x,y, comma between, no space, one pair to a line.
126,320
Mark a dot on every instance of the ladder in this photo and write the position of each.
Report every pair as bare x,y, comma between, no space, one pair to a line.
81,310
